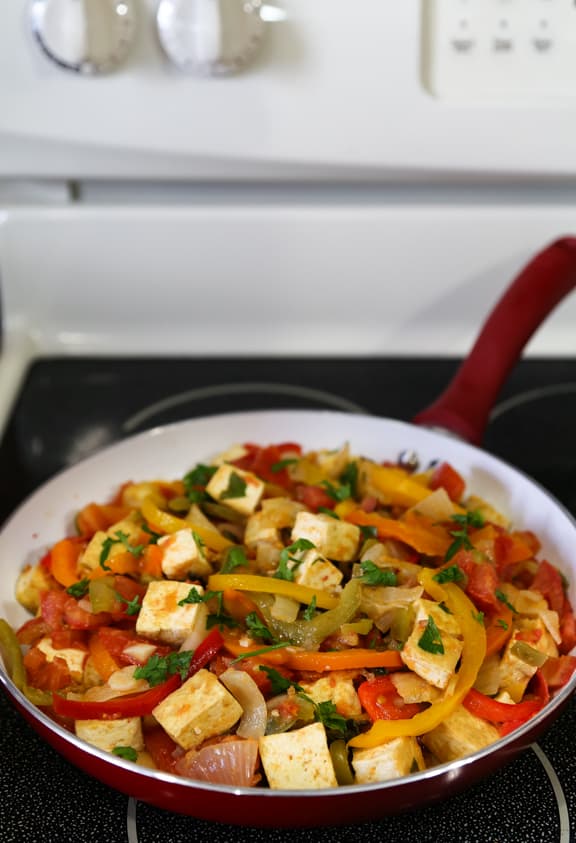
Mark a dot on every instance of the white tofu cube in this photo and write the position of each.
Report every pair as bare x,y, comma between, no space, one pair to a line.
460,733
337,689
337,540
436,668
201,708
298,760
108,734
317,572
183,554
162,619
90,558
75,658
238,489
31,582
259,528
391,760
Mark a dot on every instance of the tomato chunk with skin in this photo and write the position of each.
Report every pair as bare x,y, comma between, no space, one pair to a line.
482,581
381,701
314,497
444,476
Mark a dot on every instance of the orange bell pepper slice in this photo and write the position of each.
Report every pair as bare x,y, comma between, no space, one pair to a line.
103,661
64,561
416,531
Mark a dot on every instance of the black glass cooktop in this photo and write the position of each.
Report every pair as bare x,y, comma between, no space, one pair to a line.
70,408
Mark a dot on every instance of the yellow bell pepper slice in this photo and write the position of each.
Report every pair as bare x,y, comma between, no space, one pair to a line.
169,523
473,652
271,585
396,486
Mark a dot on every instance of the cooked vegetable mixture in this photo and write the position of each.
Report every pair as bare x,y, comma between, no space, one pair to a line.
292,620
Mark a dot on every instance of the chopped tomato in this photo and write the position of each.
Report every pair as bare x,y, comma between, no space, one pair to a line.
45,675
482,581
314,497
446,477
32,631
116,640
567,628
161,748
549,583
58,609
267,462
62,639
381,700
557,671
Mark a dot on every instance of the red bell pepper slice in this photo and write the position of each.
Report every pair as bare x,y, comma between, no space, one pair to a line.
499,712
446,477
137,705
205,651
381,700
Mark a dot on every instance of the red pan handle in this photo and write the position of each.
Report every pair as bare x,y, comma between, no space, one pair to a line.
464,406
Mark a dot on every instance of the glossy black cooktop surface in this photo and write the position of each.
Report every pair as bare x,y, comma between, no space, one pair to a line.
70,408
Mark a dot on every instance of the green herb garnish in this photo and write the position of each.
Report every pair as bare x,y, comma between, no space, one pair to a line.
236,488
325,511
501,623
431,640
160,668
503,599
127,752
310,610
284,572
337,493
235,558
349,478
120,538
257,628
279,466
461,537
78,589
451,574
373,575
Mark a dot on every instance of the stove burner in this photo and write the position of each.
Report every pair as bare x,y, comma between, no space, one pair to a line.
220,398
529,430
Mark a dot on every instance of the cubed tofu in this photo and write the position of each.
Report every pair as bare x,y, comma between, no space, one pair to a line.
315,571
183,554
162,619
298,760
74,657
391,760
201,708
259,528
235,452
460,733
337,689
238,489
31,582
334,539
130,527
275,514
515,674
436,668
108,734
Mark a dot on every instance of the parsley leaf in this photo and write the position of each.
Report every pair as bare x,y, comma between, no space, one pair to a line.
369,531
327,714
461,537
194,596
153,535
349,478
257,628
284,572
503,599
338,493
330,512
501,623
235,558
200,475
310,610
277,467
373,575
478,616
78,589
236,488
451,574
121,538
431,640
132,606
127,752
160,668
280,684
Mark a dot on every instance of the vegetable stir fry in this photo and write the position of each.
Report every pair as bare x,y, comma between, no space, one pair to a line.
288,619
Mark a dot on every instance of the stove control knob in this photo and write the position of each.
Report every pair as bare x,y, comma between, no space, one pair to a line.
210,37
86,36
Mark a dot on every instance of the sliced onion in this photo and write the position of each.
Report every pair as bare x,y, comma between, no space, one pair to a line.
284,608
232,762
194,638
119,684
139,653
246,691
436,506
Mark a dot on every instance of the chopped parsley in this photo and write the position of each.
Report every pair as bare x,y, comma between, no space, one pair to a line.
121,538
78,589
324,712
279,466
235,558
501,623
369,531
284,571
279,683
194,596
503,599
160,668
127,752
478,616
153,535
451,574
461,537
325,511
431,640
310,610
132,606
337,493
199,476
257,628
236,488
373,575
349,478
